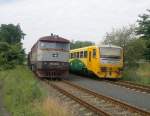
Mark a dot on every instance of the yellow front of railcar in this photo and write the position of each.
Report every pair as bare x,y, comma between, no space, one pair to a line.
110,62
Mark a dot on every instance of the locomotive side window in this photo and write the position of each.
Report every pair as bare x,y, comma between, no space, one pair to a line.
81,54
85,54
94,53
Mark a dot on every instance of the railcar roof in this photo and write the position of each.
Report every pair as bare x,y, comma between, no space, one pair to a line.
113,46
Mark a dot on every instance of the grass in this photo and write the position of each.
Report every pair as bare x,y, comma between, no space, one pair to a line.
139,75
24,96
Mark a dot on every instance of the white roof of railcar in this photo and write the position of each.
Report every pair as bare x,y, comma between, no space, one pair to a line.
113,46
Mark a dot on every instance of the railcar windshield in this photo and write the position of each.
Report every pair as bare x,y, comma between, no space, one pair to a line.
109,52
110,55
48,45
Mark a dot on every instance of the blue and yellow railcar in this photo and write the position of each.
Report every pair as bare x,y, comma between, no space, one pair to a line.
105,61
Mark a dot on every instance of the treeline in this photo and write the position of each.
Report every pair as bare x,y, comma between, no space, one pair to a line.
79,44
11,50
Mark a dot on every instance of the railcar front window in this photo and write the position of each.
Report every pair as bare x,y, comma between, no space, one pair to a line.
110,55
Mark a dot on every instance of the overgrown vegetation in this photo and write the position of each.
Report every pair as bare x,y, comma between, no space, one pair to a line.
23,95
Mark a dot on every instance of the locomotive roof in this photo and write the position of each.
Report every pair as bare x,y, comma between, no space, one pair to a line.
54,38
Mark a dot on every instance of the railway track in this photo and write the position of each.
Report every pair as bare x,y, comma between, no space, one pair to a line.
131,85
97,104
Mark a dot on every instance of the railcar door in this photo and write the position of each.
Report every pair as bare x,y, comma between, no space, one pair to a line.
89,56
89,61
92,59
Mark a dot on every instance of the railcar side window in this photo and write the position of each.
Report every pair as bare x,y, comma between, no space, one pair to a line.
74,54
71,55
94,53
85,54
81,54
77,54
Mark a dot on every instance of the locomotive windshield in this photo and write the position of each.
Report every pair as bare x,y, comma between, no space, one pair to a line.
47,45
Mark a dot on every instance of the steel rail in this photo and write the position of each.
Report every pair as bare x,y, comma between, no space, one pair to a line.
117,102
132,85
81,102
137,84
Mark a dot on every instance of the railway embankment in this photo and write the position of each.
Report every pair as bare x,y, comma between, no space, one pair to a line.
139,74
23,95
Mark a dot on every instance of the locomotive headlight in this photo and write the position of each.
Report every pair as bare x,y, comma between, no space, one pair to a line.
39,65
51,63
54,63
45,62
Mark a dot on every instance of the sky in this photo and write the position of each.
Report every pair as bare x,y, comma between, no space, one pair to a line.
72,19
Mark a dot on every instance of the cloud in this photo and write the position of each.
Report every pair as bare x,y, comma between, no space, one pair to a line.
72,19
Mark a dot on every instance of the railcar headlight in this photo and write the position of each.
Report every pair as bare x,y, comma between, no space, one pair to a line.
103,69
120,69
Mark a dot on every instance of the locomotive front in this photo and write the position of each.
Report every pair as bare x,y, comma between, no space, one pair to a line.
52,57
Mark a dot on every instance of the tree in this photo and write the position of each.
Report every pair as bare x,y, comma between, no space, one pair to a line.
120,37
11,33
134,52
11,50
143,30
126,38
79,44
